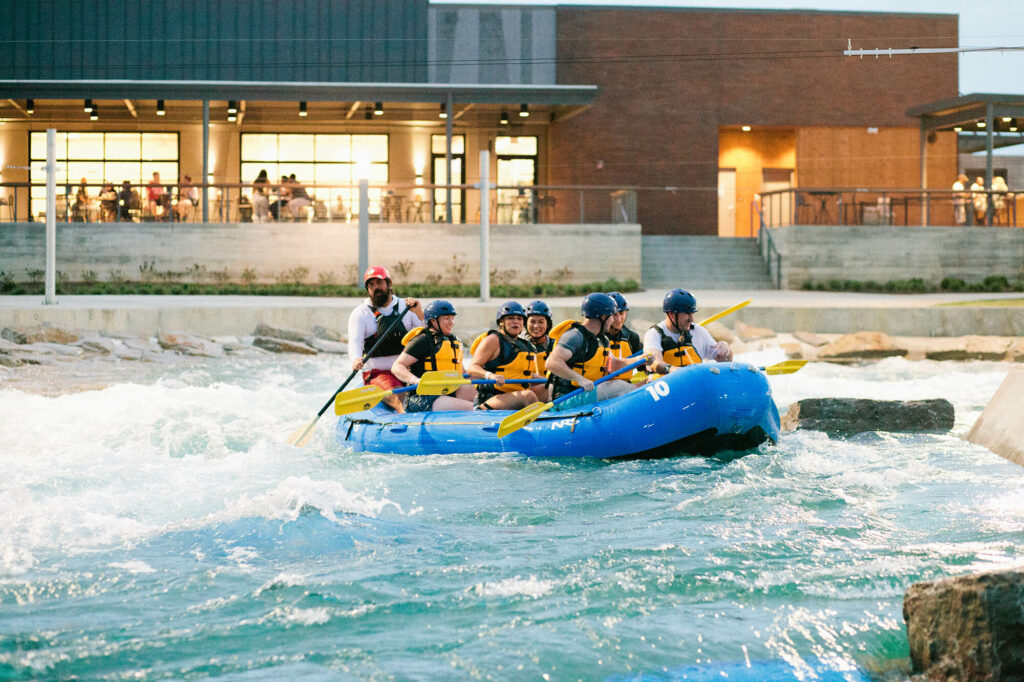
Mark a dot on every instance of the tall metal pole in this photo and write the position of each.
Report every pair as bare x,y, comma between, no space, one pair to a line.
206,160
485,225
448,157
924,176
364,226
989,125
50,288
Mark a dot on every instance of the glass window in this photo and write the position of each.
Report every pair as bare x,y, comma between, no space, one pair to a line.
37,145
515,146
333,148
123,146
295,148
259,146
85,146
159,146
373,148
437,144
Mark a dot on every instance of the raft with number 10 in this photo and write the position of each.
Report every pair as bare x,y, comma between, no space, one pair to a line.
700,409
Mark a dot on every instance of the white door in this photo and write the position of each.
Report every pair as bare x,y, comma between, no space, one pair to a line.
727,202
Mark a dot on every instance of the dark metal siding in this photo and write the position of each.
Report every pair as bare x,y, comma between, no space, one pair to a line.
249,40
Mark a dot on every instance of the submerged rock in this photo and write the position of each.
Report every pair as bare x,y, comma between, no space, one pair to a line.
861,346
190,345
968,627
327,334
1000,428
282,346
848,416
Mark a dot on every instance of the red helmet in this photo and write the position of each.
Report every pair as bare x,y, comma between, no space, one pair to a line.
376,272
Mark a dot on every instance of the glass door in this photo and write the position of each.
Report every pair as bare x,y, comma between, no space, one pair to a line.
517,172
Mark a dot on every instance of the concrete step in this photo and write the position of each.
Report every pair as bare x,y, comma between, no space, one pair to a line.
703,263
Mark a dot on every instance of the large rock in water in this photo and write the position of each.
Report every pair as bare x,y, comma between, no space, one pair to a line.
861,346
967,628
847,416
1000,428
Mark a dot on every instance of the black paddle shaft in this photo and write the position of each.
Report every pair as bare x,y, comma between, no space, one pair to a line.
366,356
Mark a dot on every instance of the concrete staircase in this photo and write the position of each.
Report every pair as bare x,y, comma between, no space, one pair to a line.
703,263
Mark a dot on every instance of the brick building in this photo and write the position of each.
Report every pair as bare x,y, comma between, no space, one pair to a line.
614,97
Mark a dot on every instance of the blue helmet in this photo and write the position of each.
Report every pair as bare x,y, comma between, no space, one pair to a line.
620,301
539,308
510,308
679,301
436,309
598,305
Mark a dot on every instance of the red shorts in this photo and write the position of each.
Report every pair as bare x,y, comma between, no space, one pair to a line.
382,378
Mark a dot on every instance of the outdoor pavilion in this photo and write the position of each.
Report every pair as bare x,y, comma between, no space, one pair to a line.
980,120
416,101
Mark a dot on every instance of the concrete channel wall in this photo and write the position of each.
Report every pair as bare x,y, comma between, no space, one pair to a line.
820,253
522,254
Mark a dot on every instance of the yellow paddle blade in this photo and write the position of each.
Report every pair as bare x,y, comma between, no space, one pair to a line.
786,367
441,383
358,399
303,434
727,311
523,417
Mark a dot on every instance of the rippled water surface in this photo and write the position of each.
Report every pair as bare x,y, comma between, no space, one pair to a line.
159,527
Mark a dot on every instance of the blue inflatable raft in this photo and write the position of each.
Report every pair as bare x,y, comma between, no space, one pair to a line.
701,409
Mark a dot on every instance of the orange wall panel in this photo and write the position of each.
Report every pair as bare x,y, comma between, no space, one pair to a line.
750,153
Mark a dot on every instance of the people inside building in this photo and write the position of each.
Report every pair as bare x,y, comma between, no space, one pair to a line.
434,347
999,196
960,197
157,200
538,328
127,201
581,355
108,204
80,209
622,341
502,356
377,318
677,341
284,194
188,199
299,198
260,198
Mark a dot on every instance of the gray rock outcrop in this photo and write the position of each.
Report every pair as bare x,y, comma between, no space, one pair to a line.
1000,428
284,333
968,627
282,346
849,416
861,346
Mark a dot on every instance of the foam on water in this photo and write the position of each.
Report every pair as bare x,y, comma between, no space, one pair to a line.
160,527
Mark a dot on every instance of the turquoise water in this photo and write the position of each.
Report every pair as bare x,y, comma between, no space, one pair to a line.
159,528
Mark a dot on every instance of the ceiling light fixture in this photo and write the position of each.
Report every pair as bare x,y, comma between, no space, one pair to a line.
524,110
302,109
30,106
232,107
958,129
94,114
444,111
378,109
981,124
504,118
745,129
160,111
88,106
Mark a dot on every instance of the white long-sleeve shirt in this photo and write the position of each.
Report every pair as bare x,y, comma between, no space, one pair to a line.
703,343
362,325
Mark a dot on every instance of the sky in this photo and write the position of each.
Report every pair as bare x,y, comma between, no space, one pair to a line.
983,23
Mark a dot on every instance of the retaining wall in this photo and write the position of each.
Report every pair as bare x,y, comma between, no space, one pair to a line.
570,253
821,253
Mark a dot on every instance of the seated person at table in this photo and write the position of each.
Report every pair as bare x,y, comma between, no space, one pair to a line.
188,197
108,204
502,356
623,341
581,354
677,341
157,198
431,348
538,326
299,198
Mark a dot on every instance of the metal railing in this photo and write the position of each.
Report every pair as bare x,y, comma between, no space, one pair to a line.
871,206
388,203
766,245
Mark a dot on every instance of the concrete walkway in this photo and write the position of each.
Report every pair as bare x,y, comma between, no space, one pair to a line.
782,311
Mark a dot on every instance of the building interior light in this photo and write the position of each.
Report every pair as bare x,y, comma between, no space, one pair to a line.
745,129
981,124
30,106
88,106
232,107
524,110
302,109
958,129
232,118
1007,119
94,113
160,111
378,109
444,111
504,118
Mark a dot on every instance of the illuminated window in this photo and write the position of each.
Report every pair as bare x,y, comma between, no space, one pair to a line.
439,176
101,158
320,159
517,166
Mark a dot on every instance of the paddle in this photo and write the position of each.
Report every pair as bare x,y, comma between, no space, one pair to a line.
445,383
528,414
784,367
727,311
363,398
302,435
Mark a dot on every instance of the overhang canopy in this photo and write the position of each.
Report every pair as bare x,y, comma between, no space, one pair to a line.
973,117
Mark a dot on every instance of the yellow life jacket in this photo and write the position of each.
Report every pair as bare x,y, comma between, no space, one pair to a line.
541,353
678,353
591,360
444,354
623,347
515,360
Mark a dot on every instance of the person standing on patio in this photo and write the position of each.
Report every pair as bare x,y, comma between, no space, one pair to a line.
960,200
